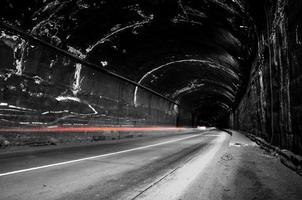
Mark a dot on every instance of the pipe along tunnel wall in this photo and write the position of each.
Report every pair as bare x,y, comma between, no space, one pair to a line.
42,87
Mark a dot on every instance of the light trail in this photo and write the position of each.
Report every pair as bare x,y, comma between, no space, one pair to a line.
88,129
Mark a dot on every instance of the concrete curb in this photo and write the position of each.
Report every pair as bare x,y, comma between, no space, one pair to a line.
287,158
227,131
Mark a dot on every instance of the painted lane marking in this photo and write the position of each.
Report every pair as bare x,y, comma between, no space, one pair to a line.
94,157
211,135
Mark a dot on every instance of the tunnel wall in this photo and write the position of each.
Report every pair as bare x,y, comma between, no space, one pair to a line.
41,87
272,106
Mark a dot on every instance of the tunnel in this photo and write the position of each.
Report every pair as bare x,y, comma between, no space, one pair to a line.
228,64
150,99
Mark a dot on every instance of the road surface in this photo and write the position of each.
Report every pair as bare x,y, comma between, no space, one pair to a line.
117,170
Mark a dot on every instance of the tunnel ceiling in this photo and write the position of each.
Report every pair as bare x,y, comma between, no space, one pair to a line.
196,52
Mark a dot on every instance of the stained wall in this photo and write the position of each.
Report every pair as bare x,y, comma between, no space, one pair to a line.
272,105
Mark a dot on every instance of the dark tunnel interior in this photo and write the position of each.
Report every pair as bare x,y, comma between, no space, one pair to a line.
195,52
231,63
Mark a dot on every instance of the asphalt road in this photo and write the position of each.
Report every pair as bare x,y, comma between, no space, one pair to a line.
117,170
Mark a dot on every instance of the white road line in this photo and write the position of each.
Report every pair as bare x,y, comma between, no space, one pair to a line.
211,135
94,157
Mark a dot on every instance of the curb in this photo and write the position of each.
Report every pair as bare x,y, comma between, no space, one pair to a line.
226,130
287,158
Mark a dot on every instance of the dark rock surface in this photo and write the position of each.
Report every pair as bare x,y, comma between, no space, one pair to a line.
271,107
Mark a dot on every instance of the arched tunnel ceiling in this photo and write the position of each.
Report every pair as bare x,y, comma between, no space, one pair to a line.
196,52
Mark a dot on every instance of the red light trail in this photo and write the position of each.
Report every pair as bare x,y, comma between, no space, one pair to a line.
88,129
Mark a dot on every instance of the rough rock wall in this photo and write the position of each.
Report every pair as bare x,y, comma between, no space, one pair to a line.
272,105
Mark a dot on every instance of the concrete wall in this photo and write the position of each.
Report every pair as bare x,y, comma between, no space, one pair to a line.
40,87
272,105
